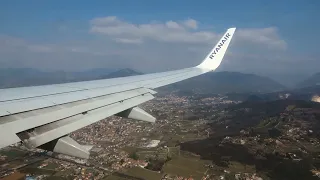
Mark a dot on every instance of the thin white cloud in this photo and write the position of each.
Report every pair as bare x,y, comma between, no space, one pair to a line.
128,41
181,32
13,44
173,25
191,23
266,36
40,48
169,31
104,20
156,46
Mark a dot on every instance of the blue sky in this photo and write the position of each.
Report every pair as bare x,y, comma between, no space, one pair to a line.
292,24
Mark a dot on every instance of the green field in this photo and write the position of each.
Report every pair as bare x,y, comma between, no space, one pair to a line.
12,153
115,177
51,166
238,167
143,173
39,171
187,167
135,173
64,173
130,149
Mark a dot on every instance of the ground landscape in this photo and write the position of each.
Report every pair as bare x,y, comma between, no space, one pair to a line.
196,136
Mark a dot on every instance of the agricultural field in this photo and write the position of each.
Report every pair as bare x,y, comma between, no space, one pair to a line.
186,167
135,173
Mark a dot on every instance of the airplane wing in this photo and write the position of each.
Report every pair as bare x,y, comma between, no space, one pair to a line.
43,116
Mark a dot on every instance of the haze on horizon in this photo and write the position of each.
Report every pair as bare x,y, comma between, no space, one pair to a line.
275,39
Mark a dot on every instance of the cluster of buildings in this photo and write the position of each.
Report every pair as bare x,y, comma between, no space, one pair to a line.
111,137
129,163
175,177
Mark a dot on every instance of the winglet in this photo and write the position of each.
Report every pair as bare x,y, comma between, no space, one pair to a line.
214,58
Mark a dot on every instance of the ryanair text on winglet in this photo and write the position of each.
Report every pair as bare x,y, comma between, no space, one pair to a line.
226,37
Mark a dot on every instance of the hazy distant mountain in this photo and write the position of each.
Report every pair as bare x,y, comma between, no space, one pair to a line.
215,82
227,82
17,77
314,80
306,94
97,73
25,77
310,89
121,73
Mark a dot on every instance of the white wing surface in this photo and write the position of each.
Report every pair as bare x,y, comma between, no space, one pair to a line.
43,116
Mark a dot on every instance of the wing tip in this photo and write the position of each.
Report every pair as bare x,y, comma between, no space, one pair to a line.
232,30
214,58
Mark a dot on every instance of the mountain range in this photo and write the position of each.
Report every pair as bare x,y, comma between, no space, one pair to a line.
121,73
212,82
17,77
227,82
313,80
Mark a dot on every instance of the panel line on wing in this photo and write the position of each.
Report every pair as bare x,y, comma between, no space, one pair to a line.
49,101
65,85
40,118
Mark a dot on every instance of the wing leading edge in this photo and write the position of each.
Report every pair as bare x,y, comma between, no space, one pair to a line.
43,116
